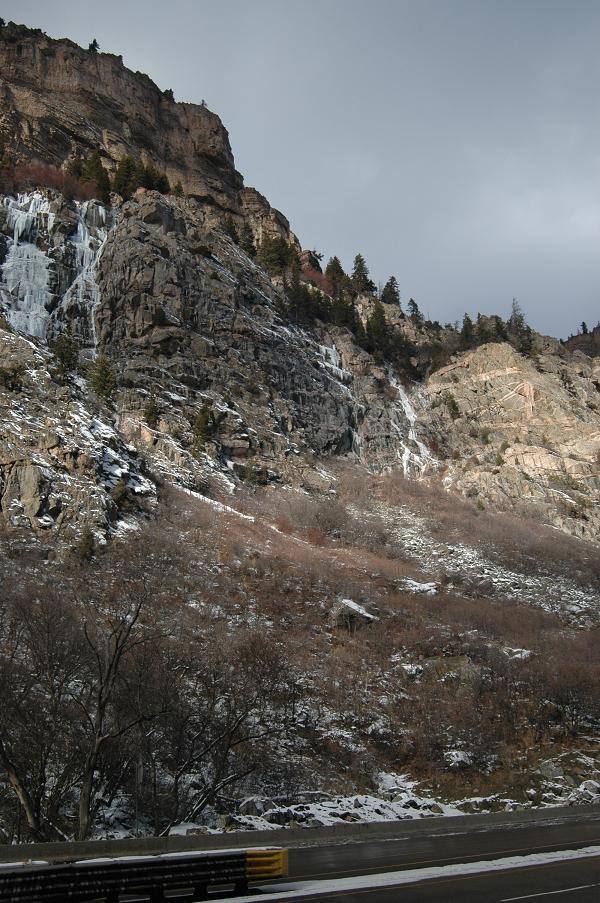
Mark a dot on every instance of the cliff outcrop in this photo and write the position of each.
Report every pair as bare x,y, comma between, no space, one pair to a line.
58,100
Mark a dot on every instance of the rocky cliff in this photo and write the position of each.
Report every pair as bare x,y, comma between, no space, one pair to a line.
189,323
58,99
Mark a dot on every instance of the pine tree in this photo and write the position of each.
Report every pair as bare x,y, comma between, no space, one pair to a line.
178,190
584,328
275,255
467,333
500,333
102,378
516,321
377,328
66,354
413,312
201,430
391,292
93,171
360,333
124,181
520,333
143,177
168,93
151,412
94,47
483,332
360,275
247,241
161,183
336,275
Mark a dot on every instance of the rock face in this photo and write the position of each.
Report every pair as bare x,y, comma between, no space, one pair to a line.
60,459
524,432
186,318
57,98
588,343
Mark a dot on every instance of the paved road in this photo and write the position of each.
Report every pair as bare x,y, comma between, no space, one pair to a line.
434,847
561,882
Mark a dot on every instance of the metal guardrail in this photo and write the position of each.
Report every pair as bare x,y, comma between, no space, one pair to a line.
144,876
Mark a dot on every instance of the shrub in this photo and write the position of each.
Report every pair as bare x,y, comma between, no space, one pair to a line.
37,175
83,549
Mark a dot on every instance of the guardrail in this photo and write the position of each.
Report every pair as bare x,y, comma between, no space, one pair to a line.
145,876
345,832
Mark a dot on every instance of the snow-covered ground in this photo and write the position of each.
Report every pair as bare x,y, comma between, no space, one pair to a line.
459,561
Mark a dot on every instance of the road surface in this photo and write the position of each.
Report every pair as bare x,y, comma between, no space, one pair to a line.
436,845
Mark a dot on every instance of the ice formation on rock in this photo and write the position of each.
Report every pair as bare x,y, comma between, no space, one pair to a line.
26,275
415,455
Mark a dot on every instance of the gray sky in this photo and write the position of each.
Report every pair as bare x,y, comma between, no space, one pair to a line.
455,143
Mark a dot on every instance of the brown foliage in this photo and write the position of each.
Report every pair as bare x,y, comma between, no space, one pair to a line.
35,175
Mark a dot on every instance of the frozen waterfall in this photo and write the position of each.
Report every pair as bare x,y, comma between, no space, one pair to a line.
415,455
26,275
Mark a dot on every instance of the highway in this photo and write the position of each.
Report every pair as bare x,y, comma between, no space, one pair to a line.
577,881
436,844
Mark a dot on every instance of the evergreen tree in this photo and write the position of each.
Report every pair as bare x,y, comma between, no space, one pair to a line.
102,378
247,241
124,181
151,412
525,342
584,328
360,275
500,333
360,333
143,177
275,255
161,183
377,329
336,275
93,171
295,293
483,330
66,354
391,292
94,47
343,311
467,332
521,335
168,93
178,190
201,430
516,322
414,313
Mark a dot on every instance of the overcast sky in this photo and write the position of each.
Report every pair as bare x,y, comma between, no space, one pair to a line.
455,143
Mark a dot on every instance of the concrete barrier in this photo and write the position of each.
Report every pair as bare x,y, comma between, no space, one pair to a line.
292,837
